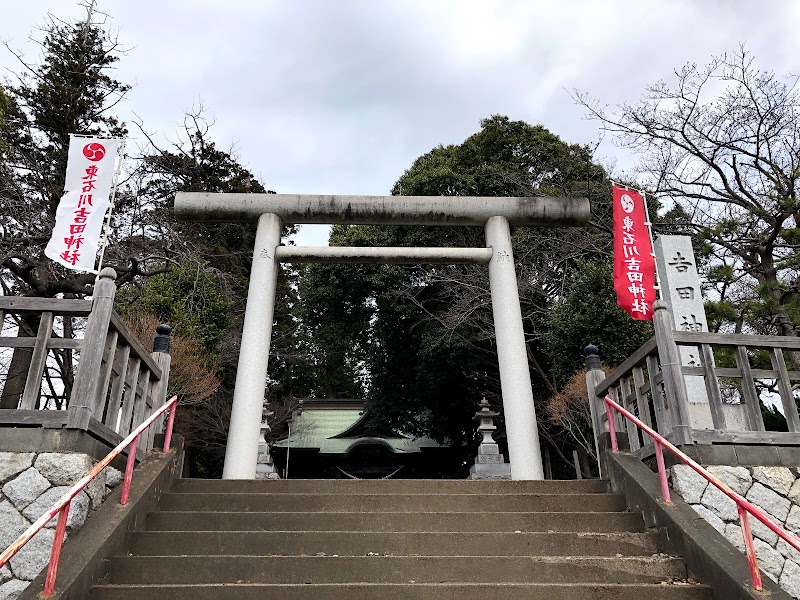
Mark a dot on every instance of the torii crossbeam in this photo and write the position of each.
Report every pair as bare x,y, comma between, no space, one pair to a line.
271,211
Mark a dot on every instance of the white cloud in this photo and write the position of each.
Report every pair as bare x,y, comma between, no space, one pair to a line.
340,97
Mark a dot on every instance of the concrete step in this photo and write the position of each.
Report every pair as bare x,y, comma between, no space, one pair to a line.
292,502
350,543
407,591
393,569
395,521
390,486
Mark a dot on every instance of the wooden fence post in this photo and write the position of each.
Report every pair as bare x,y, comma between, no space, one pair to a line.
163,359
597,407
85,393
674,384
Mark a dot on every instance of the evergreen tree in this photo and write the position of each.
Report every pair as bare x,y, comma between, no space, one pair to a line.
425,335
70,91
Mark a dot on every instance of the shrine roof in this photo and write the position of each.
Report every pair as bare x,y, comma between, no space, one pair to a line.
337,430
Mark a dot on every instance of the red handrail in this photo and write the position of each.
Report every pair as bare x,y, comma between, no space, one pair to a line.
62,506
743,506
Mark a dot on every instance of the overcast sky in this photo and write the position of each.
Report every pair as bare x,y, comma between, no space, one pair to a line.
340,96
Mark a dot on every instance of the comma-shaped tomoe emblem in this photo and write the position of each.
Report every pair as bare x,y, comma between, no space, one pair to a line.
94,151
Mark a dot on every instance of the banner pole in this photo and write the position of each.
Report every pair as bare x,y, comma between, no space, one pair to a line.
107,226
649,224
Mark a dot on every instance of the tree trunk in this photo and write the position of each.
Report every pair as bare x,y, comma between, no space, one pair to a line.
68,371
20,363
583,458
548,466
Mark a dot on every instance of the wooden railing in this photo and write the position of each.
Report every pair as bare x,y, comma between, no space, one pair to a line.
117,382
674,385
62,506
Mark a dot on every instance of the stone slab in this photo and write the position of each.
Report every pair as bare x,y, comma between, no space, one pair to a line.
11,590
25,487
719,504
78,510
63,468
34,556
790,578
12,463
688,483
736,478
771,502
710,517
779,479
12,524
490,471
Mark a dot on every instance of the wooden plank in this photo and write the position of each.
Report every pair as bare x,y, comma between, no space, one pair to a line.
641,397
109,436
84,394
674,382
785,389
137,349
33,383
57,306
17,342
633,360
159,394
646,451
633,431
132,380
28,342
690,338
140,404
752,406
51,419
107,365
778,438
118,387
104,432
612,393
62,344
736,373
663,422
712,387
148,410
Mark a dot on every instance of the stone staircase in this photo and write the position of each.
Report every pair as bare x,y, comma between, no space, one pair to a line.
398,539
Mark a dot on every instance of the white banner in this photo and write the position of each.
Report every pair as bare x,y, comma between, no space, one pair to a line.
91,165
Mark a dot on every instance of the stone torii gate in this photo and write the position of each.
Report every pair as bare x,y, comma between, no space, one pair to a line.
271,211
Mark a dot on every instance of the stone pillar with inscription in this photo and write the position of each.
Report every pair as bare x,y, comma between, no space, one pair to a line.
680,289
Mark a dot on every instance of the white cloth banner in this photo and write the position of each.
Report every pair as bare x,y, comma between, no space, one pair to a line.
91,165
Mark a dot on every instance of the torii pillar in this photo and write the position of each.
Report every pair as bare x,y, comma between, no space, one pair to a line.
271,211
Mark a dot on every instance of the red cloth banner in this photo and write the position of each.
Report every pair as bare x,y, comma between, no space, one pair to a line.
634,265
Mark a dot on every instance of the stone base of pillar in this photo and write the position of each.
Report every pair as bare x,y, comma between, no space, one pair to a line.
490,471
265,468
266,472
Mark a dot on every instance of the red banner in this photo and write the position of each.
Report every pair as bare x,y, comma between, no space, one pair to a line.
634,265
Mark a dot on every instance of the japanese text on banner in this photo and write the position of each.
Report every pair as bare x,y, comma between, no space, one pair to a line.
634,265
91,165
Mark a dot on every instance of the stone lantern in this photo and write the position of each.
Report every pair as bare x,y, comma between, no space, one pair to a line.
265,469
489,464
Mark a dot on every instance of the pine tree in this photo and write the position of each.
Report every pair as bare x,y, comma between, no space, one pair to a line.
70,91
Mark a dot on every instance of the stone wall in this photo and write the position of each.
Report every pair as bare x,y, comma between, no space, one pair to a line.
30,483
776,490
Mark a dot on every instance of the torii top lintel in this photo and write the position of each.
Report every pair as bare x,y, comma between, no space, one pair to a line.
382,210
